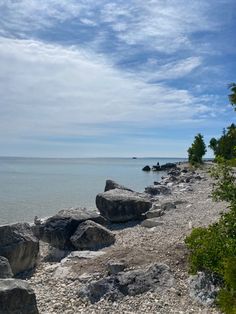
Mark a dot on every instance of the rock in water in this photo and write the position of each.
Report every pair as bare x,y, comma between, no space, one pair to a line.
146,168
121,206
154,278
57,230
16,297
91,236
20,246
5,268
111,185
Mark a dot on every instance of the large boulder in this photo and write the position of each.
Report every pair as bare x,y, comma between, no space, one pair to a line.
111,185
91,236
16,297
19,245
58,229
5,268
121,205
153,278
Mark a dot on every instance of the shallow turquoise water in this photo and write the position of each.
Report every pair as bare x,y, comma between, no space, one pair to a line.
42,186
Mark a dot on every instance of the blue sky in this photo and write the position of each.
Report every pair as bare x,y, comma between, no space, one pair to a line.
114,78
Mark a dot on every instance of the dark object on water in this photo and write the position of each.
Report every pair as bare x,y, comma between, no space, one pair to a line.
146,168
164,167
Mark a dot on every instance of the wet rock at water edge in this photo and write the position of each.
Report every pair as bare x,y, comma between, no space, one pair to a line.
19,245
146,168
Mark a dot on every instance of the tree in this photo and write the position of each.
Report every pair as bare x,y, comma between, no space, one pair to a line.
197,150
225,145
232,96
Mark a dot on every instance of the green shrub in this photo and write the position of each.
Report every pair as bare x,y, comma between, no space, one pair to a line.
213,249
227,301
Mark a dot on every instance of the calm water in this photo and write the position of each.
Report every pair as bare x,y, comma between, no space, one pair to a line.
34,186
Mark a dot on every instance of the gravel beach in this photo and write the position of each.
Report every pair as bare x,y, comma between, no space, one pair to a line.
57,284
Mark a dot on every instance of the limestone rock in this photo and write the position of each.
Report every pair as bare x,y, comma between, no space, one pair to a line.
5,268
152,222
121,206
153,278
168,206
154,213
16,297
157,189
91,236
57,230
115,267
111,185
20,246
204,288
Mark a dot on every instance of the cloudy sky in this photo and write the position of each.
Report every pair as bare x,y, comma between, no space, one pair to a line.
125,78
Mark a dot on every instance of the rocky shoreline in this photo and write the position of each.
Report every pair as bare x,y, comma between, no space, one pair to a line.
132,259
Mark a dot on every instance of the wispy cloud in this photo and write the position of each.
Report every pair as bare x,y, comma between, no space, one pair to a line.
56,90
97,69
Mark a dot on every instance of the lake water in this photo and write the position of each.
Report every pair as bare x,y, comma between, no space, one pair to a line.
32,187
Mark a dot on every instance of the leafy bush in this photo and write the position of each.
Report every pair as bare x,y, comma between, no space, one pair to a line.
213,249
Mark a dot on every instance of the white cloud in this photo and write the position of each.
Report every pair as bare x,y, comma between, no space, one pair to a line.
51,90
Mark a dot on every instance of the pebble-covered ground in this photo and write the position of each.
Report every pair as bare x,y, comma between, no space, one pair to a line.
57,284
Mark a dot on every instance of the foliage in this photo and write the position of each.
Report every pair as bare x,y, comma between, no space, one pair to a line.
225,186
225,146
232,96
213,249
197,150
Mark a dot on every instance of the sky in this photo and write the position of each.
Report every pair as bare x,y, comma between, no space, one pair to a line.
114,78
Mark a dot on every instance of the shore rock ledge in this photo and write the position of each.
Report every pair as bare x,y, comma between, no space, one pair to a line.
121,205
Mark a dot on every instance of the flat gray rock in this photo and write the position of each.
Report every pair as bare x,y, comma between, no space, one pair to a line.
154,213
152,222
82,255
